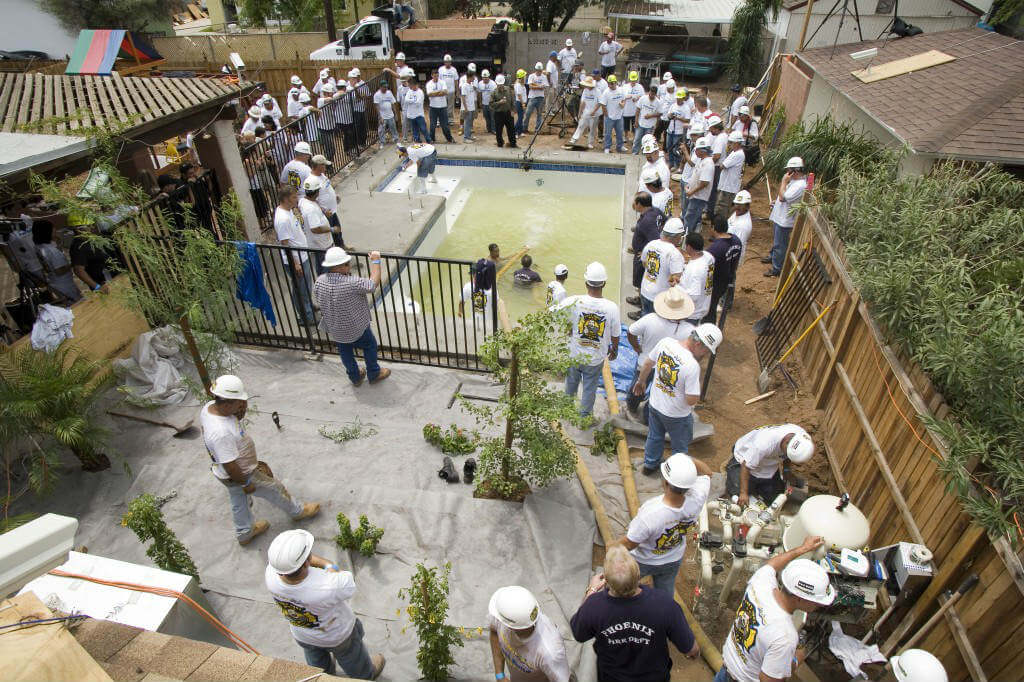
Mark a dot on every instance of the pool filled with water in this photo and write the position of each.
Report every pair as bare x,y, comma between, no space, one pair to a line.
560,216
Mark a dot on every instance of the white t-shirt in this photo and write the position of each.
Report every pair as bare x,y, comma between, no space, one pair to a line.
646,106
763,637
699,117
652,328
718,146
613,101
734,110
660,259
741,226
312,217
540,658
450,75
403,89
759,449
703,170
469,95
595,322
316,609
677,126
668,98
634,92
732,171
751,132
480,304
320,83
250,125
536,79
438,93
294,106
556,292
567,57
324,122
660,530
520,93
608,52
420,150
295,173
384,102
676,375
551,69
782,211
589,99
327,198
413,101
288,226
661,166
485,88
661,199
226,441
698,278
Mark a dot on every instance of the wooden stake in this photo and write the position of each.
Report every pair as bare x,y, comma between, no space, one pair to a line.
803,29
193,350
621,447
757,398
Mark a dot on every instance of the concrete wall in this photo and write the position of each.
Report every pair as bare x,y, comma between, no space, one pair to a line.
527,48
27,27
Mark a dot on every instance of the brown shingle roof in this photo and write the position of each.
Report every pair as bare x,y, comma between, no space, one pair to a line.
968,108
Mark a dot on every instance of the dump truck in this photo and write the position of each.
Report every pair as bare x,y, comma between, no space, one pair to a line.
386,32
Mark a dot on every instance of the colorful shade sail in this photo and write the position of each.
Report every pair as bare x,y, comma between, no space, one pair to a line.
96,51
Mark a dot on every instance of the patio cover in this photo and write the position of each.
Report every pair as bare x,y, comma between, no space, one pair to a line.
675,11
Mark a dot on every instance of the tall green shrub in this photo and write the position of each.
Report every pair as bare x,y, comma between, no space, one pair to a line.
746,39
825,145
428,610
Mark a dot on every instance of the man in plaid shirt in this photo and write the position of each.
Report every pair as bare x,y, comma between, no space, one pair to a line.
346,313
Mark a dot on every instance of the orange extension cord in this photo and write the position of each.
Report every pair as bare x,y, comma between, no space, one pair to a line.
165,592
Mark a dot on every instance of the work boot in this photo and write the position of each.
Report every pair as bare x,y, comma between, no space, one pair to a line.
650,471
770,273
448,472
469,470
309,509
766,259
635,315
258,528
378,661
384,374
633,300
362,375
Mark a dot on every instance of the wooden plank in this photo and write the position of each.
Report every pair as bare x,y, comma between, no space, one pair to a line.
113,99
99,117
174,99
99,93
962,642
26,102
898,67
9,100
38,95
1011,560
44,652
153,98
58,104
74,121
48,103
140,110
843,338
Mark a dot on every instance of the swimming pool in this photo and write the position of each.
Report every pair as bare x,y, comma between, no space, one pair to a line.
560,213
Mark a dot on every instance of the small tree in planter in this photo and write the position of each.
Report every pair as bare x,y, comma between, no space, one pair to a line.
533,451
428,609
146,520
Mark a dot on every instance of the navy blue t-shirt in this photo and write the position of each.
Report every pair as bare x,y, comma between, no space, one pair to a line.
631,634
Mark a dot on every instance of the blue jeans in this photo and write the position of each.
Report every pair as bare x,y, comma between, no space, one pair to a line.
467,124
534,104
301,287
419,129
270,489
352,655
722,675
439,115
663,575
387,125
519,118
646,305
590,375
780,243
611,124
638,137
672,145
679,430
366,343
694,209
488,118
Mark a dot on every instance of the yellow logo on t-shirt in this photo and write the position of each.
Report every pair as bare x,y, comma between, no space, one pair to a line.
297,615
744,628
673,536
590,328
480,300
293,179
652,265
668,373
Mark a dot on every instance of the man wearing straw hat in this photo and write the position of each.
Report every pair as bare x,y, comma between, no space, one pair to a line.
341,297
672,307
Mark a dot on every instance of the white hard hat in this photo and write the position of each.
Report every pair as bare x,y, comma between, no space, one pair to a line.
800,448
745,110
698,128
568,42
335,256
917,665
325,72
514,607
735,136
254,111
714,121
679,470
647,138
289,550
304,96
229,387
709,335
649,146
538,66
408,72
471,67
354,73
296,80
485,74
795,162
666,77
702,143
447,57
303,148
742,197
400,55
311,183
267,97
500,79
807,580
561,269
595,273
673,226
649,175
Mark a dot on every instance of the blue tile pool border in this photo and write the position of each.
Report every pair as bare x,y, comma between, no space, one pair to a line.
486,163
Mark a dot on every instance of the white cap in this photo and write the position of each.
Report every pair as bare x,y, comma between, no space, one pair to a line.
354,73
538,66
407,72
735,136
303,148
400,55
500,79
808,580
335,256
312,183
471,67
561,269
289,550
649,146
742,197
229,387
514,606
917,665
447,57
331,87
588,82
714,121
325,72
649,175
800,448
254,111
304,96
698,128
666,77
709,335
702,143
795,162
745,110
485,74
673,226
296,80
267,97
679,470
568,42
595,273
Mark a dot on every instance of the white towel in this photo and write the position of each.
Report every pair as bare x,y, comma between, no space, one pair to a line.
851,652
52,326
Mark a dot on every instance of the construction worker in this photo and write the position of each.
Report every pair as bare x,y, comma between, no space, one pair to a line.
648,227
698,275
524,638
740,223
661,195
609,50
725,248
297,170
656,536
501,110
313,595
759,461
648,112
450,75
917,665
437,98
783,215
612,103
253,119
762,644
663,265
675,133
424,156
551,71
567,57
590,105
234,463
732,174
671,308
469,96
676,389
485,86
633,91
556,288
654,159
689,161
746,126
698,190
536,85
315,224
719,142
667,95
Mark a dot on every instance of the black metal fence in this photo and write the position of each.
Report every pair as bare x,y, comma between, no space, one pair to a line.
341,130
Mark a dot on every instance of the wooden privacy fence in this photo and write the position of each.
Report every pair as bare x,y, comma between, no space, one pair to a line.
880,452
276,74
251,46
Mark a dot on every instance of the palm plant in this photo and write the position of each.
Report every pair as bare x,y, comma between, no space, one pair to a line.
746,37
825,145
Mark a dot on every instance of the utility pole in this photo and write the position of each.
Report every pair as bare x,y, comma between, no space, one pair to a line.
332,32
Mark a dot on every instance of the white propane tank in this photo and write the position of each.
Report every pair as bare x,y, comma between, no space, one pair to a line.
835,519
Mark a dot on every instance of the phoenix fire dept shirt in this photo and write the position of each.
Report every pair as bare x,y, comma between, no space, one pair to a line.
317,608
538,658
762,638
660,530
676,375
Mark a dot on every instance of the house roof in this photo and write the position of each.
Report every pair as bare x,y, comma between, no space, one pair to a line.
969,108
691,11
794,5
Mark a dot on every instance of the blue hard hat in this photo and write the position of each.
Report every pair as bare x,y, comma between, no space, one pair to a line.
553,54
596,72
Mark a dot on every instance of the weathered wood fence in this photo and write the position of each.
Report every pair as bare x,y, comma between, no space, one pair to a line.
880,452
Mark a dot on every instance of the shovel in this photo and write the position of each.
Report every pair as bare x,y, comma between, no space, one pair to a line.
764,379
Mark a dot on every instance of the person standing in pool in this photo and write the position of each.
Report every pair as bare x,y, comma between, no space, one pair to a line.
525,275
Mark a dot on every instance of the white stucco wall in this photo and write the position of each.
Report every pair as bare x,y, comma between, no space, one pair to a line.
26,26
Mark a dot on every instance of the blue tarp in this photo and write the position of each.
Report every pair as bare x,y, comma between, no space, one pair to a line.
623,366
